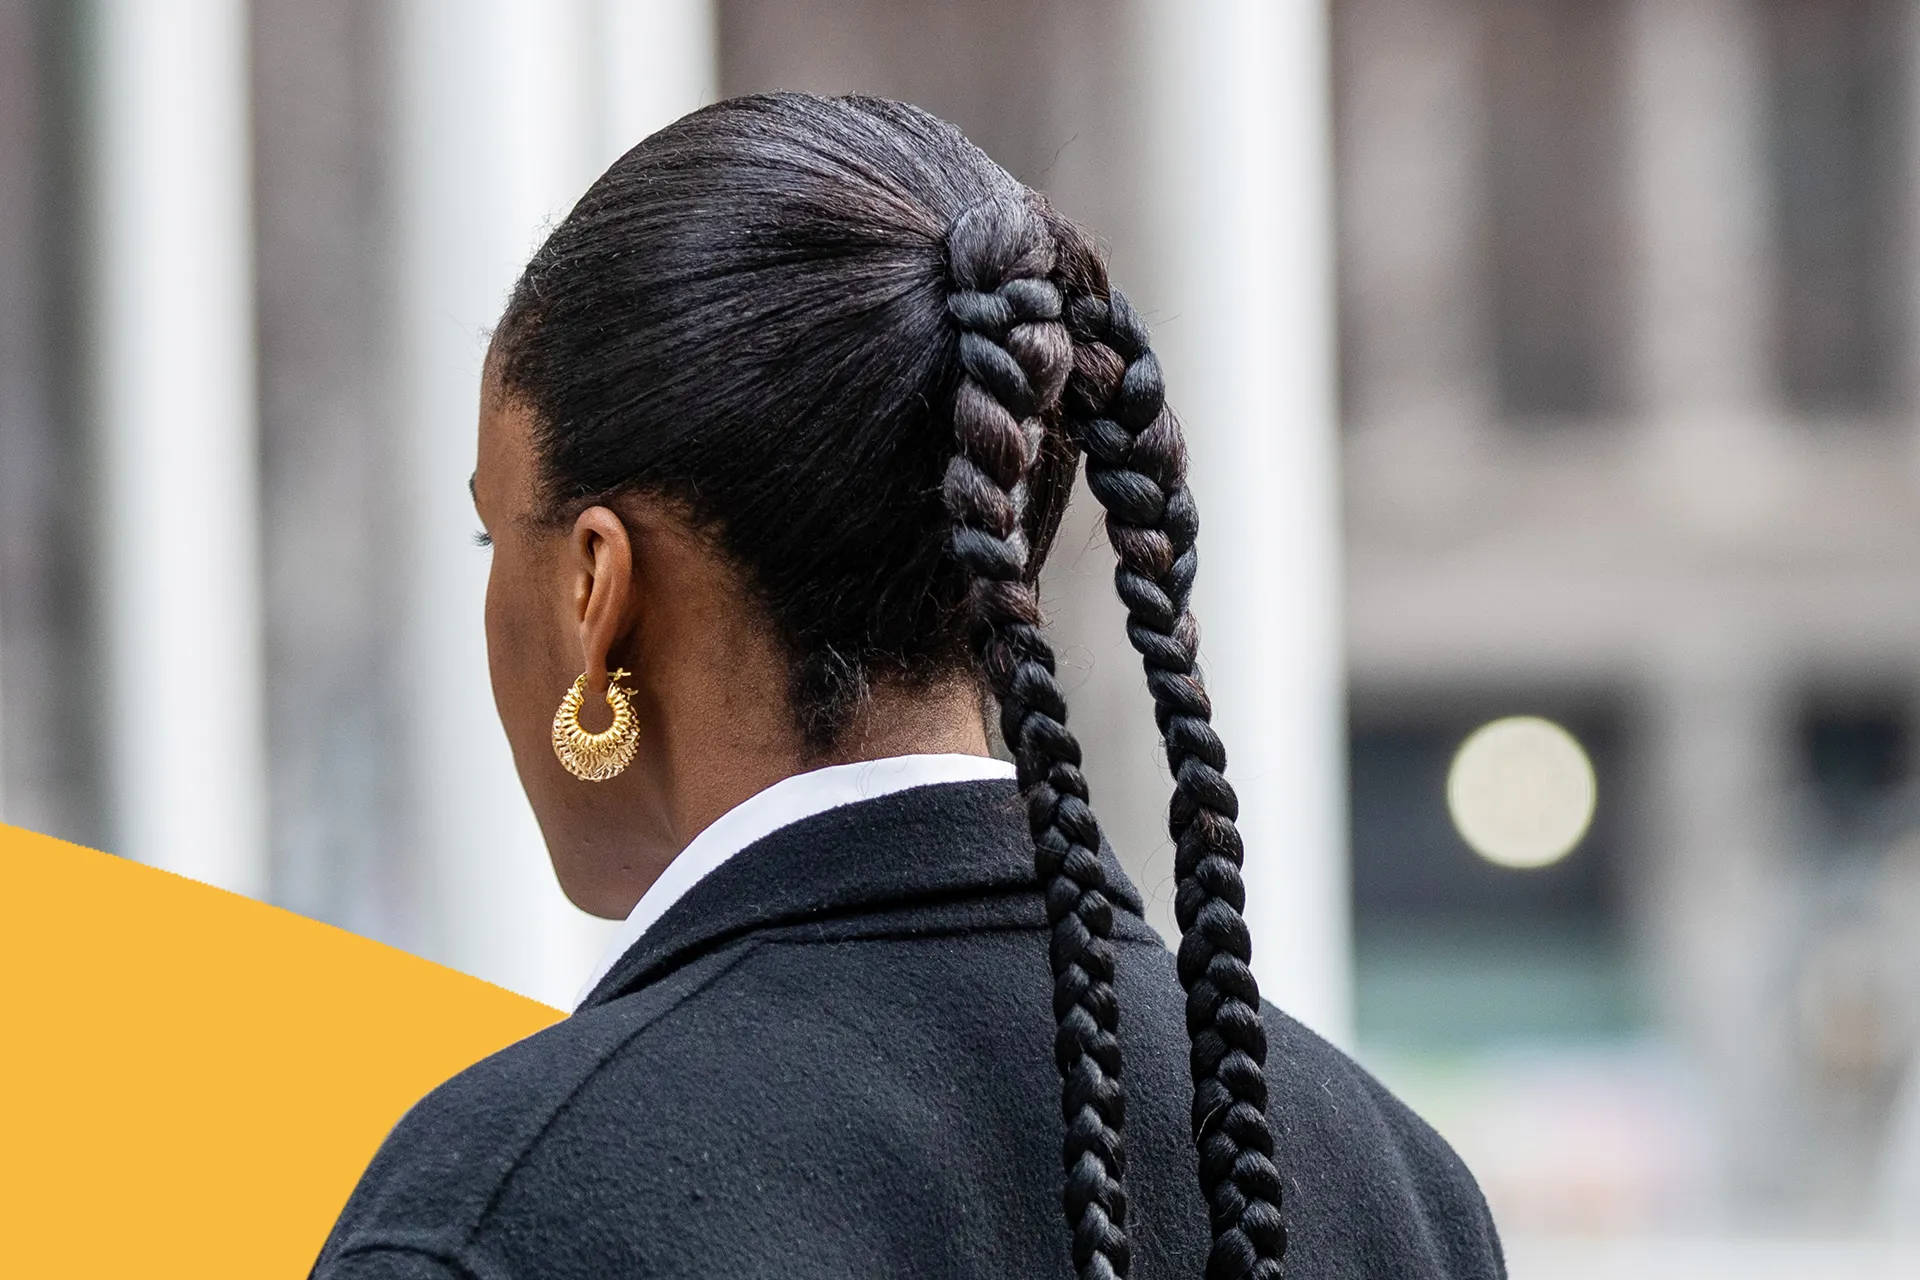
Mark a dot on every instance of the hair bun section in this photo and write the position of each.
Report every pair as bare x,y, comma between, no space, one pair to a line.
997,240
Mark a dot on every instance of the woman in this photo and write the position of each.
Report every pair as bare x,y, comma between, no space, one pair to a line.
775,433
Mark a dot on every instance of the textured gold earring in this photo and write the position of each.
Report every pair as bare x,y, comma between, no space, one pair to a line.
595,757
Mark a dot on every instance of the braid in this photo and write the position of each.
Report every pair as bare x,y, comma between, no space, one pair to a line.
1136,467
1015,355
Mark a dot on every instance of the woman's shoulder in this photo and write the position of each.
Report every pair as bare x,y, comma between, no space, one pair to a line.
751,1069
442,1169
1369,1176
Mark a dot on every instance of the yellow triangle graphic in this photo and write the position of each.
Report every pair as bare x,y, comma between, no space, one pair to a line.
191,1081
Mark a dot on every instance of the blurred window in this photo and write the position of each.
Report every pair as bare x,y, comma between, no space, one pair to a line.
1836,152
1555,227
1453,951
1857,757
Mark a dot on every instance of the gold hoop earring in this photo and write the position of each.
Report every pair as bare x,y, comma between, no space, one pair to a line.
595,757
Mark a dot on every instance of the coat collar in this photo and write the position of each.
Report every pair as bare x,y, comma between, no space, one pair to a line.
911,849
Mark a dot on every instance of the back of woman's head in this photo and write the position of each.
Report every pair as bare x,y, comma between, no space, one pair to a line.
866,362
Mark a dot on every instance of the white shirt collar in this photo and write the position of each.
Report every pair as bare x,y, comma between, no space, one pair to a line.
786,801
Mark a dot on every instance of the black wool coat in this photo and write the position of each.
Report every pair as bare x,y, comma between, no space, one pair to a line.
833,1058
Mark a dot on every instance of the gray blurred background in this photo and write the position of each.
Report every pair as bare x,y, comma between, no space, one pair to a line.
1544,358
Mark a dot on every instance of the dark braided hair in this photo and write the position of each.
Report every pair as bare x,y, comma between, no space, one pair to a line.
1015,354
1137,468
865,360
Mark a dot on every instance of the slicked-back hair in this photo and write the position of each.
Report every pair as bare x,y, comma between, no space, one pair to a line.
868,361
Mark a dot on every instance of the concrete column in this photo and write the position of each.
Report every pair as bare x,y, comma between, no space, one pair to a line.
173,403
23,415
1237,270
329,427
658,61
1413,109
505,109
1697,168
1716,769
1695,117
1714,905
1906,29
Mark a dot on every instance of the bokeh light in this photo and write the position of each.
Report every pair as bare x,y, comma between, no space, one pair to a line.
1521,792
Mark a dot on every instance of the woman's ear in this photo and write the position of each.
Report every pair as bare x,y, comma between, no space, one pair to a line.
600,556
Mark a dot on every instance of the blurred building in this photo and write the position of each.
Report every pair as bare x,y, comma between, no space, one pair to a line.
1629,358
1628,361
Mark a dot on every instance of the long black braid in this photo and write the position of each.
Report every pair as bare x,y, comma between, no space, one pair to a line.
1137,468
1016,354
